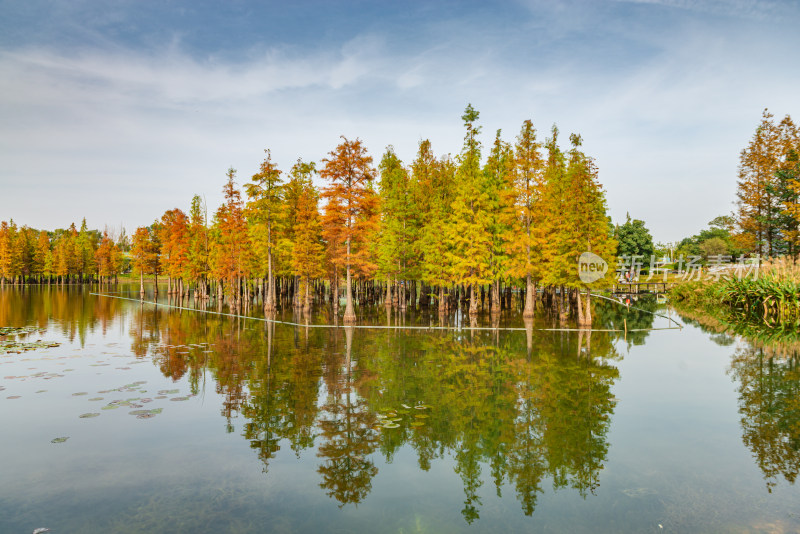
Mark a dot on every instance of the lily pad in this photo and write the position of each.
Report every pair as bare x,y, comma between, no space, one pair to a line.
110,407
422,416
88,415
417,423
80,393
145,416
390,425
59,440
179,398
96,399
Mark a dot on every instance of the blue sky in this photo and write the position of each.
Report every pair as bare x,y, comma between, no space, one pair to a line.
117,111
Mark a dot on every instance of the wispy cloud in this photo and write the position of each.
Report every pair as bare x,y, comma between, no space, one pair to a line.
761,9
658,102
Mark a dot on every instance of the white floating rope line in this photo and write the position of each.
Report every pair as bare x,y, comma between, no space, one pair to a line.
389,327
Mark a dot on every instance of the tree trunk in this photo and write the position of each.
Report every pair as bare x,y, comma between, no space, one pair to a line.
496,297
349,312
530,292
473,300
269,303
587,312
307,305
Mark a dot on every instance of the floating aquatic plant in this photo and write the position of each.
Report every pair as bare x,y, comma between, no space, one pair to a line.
88,415
59,440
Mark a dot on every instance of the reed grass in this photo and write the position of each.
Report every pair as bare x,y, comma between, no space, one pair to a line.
773,292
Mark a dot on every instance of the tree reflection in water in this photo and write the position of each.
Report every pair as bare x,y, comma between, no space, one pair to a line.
524,410
527,409
765,367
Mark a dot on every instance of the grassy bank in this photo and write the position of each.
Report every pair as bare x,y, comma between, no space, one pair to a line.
773,293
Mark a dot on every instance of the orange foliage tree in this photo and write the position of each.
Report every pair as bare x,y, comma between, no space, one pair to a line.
351,209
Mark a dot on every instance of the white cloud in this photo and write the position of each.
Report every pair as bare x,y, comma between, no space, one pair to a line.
665,124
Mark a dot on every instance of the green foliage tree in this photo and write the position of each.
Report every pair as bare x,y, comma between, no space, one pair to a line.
634,239
468,228
525,216
265,193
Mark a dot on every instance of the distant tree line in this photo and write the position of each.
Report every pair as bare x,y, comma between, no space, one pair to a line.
62,256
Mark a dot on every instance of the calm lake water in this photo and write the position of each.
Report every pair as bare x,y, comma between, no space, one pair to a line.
194,422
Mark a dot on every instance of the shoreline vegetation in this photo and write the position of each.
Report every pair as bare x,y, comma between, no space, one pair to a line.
441,232
766,223
771,296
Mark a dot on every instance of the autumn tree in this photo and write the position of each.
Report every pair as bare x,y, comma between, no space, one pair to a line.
760,205
22,254
196,267
350,204
41,257
308,251
85,247
7,261
265,194
398,226
108,259
174,236
300,178
145,255
66,254
231,253
467,231
579,224
435,188
525,216
498,183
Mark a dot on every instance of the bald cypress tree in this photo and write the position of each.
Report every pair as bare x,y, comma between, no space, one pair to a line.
350,209
265,192
467,231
